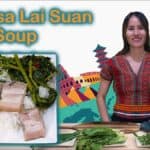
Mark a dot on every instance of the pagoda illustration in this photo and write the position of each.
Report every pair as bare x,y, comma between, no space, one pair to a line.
101,55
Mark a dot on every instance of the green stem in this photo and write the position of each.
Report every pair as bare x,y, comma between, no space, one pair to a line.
23,72
30,74
34,97
9,66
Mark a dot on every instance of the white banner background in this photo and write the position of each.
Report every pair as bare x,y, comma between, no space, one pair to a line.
75,43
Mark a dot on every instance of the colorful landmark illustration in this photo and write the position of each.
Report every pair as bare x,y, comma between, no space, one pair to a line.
74,90
77,98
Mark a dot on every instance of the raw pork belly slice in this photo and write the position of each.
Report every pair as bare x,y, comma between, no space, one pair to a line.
12,96
33,125
12,103
13,88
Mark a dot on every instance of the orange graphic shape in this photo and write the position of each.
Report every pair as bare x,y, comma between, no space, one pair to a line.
74,96
89,93
61,102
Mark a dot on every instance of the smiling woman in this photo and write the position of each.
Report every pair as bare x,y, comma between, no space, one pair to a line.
129,71
57,16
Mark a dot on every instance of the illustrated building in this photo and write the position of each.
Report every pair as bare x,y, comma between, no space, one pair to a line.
74,90
71,87
100,55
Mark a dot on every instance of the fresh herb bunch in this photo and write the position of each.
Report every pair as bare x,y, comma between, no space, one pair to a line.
35,71
94,138
40,67
64,137
144,139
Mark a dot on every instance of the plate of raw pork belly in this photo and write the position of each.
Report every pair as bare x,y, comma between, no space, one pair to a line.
28,93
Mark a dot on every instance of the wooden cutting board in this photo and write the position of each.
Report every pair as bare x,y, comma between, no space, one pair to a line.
125,127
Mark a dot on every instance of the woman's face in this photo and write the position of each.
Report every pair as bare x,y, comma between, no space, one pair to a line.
135,33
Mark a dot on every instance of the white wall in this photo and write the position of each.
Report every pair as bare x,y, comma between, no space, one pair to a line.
75,44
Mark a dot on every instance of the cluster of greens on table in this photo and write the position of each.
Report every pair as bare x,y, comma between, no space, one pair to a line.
94,138
35,71
144,139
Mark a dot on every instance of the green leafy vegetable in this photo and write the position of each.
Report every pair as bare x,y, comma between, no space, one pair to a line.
96,138
34,70
144,139
64,137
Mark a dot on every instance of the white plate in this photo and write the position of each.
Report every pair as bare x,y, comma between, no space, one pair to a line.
117,145
138,143
49,116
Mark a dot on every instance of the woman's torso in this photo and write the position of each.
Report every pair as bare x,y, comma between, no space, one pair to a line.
132,86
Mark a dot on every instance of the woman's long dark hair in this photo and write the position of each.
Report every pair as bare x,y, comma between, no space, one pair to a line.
142,18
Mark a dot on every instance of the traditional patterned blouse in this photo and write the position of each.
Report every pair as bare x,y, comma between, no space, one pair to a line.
132,90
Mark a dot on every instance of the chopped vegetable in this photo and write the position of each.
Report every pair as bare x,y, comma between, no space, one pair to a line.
34,70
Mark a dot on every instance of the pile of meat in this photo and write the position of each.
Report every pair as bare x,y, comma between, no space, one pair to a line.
11,100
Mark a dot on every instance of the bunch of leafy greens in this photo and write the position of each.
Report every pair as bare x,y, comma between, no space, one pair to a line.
94,138
65,137
34,70
144,139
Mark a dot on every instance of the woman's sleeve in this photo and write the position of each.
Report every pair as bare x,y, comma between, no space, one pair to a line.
106,72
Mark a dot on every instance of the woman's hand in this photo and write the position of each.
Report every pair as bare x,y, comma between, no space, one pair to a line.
104,86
